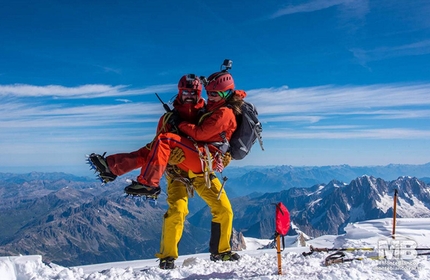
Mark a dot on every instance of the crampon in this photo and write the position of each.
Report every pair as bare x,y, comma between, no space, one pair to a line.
99,165
135,189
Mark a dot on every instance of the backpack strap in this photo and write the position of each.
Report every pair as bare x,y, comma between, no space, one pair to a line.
223,146
203,116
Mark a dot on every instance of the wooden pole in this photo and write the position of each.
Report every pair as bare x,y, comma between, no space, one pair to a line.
278,247
394,213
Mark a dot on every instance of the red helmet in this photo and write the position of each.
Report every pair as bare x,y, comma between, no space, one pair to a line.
190,82
220,81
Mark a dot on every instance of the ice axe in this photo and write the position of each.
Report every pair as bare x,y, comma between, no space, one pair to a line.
282,223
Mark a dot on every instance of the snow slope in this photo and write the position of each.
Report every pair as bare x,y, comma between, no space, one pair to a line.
259,264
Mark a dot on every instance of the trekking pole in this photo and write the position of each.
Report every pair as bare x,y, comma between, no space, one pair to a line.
278,252
422,249
394,213
339,257
314,249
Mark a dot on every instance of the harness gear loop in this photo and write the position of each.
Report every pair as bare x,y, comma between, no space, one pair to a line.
206,163
208,169
173,173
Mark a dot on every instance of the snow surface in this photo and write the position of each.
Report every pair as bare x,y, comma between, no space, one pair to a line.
258,264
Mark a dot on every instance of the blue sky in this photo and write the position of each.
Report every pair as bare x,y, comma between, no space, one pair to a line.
335,81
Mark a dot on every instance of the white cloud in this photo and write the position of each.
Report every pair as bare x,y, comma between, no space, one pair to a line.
351,13
332,100
347,133
333,127
342,112
123,100
381,53
27,115
302,118
84,91
315,5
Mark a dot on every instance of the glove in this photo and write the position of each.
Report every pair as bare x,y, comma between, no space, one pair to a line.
174,119
176,156
226,159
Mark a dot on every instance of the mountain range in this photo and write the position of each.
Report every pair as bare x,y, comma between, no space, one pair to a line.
75,220
262,179
78,221
327,209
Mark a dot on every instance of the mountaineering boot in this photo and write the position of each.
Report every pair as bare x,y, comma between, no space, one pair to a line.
98,163
227,256
167,263
137,189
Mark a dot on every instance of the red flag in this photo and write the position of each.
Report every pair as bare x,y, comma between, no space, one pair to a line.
282,219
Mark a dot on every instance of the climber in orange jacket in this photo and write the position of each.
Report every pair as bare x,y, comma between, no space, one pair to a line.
188,105
214,128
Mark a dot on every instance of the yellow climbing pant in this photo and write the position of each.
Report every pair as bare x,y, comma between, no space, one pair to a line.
174,218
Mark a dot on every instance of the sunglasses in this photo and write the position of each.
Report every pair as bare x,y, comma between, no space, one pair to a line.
189,92
213,93
223,94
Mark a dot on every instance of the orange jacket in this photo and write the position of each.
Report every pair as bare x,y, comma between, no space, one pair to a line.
187,112
210,129
219,119
122,163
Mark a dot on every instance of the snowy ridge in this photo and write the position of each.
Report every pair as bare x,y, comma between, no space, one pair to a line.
413,207
255,264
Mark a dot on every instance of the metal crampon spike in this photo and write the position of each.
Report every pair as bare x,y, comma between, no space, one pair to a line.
91,164
153,203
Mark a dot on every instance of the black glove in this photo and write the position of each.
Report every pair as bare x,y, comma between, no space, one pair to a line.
174,119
